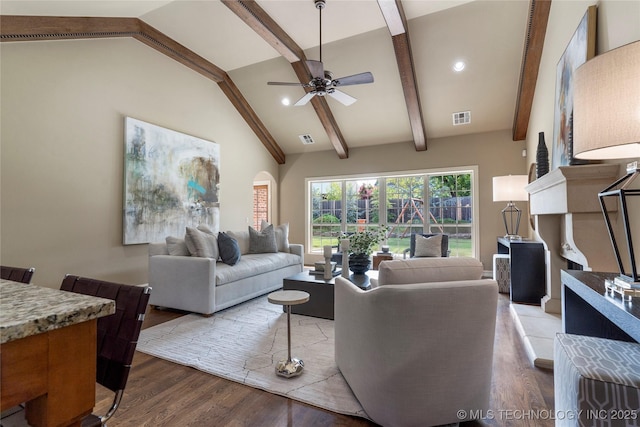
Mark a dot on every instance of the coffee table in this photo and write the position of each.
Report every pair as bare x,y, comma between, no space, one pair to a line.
322,296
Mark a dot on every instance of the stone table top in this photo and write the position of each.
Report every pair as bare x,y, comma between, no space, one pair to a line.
27,309
288,297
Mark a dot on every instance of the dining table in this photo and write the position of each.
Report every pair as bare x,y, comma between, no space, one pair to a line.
48,345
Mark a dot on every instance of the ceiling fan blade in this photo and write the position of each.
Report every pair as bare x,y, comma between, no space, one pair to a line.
316,68
356,79
342,97
284,84
305,99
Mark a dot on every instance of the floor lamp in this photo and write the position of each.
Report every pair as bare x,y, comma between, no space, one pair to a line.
510,189
606,125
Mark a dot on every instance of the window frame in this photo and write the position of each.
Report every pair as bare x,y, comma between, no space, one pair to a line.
382,183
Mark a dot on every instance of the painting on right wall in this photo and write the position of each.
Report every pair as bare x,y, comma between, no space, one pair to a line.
580,49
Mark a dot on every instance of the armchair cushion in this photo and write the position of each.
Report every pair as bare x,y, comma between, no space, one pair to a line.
428,246
424,270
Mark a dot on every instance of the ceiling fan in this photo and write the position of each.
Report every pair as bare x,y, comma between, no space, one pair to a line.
322,82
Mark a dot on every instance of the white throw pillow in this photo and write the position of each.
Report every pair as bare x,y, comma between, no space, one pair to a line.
428,246
177,246
201,243
282,235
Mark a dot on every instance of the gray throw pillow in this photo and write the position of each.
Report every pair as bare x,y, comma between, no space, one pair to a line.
282,235
229,249
264,241
428,246
177,247
201,244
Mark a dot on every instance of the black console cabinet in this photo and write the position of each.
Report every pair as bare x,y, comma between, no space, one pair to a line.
526,262
587,308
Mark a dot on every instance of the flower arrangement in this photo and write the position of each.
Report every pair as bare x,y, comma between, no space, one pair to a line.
363,242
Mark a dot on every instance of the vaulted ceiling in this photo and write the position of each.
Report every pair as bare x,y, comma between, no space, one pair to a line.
410,47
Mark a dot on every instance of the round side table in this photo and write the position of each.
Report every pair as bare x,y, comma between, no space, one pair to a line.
292,366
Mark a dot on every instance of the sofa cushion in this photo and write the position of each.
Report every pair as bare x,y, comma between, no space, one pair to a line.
253,265
282,235
201,242
242,237
261,242
424,270
428,246
229,249
177,246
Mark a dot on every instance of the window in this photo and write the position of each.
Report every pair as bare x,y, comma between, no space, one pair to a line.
260,205
426,202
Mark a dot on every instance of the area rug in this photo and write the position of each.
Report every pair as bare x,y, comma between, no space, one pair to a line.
243,344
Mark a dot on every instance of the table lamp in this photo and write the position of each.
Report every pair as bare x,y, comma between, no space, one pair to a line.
606,125
508,189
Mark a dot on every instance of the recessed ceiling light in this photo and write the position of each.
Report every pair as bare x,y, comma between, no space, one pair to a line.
285,101
458,66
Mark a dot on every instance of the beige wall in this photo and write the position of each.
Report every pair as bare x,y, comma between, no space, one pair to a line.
63,109
618,23
494,153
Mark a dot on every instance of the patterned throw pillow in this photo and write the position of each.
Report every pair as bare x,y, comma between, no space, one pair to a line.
428,246
229,249
264,241
282,235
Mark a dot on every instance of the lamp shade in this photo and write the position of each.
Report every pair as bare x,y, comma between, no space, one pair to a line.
510,188
606,105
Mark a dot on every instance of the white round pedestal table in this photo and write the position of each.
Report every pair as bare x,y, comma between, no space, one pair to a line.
292,366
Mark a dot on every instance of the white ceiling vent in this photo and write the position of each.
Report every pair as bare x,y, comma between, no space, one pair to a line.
306,139
462,118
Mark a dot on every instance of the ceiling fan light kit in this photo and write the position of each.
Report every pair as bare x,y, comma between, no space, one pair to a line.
322,82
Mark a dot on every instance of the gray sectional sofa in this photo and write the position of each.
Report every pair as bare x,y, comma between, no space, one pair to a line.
206,284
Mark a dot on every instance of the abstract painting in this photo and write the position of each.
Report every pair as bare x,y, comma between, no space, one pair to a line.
171,182
581,48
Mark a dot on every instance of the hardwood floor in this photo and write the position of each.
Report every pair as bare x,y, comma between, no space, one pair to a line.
161,393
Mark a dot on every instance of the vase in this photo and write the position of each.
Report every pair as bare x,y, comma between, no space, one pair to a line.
542,157
359,263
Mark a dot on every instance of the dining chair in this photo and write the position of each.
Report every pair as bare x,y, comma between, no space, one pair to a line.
117,335
17,274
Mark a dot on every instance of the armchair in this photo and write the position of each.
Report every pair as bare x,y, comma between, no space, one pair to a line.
411,250
418,348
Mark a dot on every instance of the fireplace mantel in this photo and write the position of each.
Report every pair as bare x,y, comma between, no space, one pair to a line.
568,220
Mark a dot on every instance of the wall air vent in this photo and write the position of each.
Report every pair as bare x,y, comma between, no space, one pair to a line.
462,118
306,139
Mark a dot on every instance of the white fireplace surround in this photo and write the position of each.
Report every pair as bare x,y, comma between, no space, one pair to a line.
569,222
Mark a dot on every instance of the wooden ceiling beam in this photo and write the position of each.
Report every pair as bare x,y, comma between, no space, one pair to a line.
533,45
33,28
397,23
258,20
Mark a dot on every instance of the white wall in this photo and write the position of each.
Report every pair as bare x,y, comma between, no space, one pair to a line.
62,141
